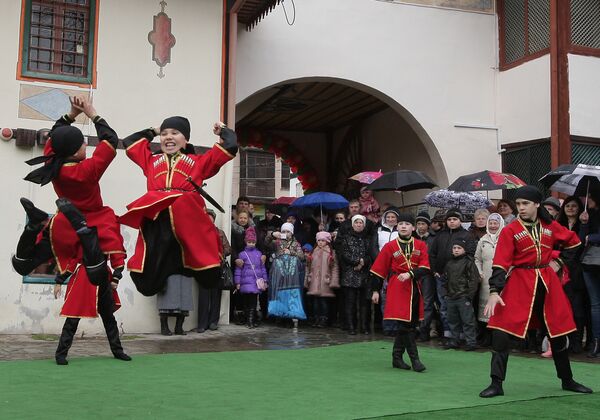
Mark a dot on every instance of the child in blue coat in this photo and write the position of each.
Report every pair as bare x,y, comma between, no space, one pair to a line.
251,278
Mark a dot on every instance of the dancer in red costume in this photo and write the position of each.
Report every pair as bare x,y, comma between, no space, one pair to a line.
77,178
177,239
405,261
525,290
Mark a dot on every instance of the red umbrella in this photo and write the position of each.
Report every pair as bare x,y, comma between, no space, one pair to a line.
486,181
366,177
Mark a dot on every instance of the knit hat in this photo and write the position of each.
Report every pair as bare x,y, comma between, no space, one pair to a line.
406,217
66,140
552,201
455,212
357,217
307,247
250,235
460,242
287,227
325,236
423,217
530,193
439,216
180,124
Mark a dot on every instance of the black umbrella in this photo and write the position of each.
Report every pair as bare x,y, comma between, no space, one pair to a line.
486,181
402,180
573,179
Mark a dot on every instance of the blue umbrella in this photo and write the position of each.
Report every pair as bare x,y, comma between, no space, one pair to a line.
326,200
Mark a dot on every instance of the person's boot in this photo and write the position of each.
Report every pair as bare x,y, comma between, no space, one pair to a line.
179,325
66,340
164,325
398,352
413,352
494,390
571,385
595,351
35,216
112,334
365,328
250,319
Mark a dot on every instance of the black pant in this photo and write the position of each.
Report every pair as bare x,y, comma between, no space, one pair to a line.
249,300
501,341
321,306
209,306
106,306
356,298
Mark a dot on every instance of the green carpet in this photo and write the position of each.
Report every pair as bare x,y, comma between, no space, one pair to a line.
338,382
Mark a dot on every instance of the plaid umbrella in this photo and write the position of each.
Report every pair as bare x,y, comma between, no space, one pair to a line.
468,202
486,181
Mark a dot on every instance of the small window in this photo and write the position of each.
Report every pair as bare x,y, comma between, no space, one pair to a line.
285,176
58,40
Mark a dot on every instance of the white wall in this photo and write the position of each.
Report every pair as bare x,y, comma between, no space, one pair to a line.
131,96
584,94
433,66
524,101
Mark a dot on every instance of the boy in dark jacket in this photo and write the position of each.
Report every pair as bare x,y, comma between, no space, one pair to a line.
440,252
461,285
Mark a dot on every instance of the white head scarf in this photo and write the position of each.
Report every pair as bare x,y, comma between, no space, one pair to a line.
287,227
357,217
499,219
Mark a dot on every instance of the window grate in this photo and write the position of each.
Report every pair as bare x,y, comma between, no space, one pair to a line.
585,23
529,163
588,154
514,30
538,25
257,174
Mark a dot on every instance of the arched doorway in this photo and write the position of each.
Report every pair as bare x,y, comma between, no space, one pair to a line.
338,128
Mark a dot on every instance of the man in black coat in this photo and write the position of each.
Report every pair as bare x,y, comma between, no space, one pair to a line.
440,253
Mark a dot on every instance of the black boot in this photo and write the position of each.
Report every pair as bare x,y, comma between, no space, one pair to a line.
413,352
179,325
571,385
112,333
364,321
72,213
398,351
65,341
595,352
164,325
494,390
35,216
250,318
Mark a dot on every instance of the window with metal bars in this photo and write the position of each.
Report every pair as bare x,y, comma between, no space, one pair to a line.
257,174
585,25
529,162
524,30
58,40
285,176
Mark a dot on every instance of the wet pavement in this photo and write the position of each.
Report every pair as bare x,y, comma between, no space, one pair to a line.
226,338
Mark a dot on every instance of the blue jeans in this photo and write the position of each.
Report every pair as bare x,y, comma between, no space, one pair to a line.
592,283
440,285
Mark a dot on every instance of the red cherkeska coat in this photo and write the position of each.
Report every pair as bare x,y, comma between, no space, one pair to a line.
391,262
516,247
81,297
169,188
79,182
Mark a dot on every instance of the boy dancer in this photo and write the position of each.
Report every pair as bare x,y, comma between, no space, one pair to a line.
532,288
405,260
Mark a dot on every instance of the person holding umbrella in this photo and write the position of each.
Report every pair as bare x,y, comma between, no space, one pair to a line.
534,290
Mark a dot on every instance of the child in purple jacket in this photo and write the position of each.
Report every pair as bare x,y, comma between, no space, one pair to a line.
251,278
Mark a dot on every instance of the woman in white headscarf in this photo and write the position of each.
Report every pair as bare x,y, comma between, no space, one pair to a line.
484,255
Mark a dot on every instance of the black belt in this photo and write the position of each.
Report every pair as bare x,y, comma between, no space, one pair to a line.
532,267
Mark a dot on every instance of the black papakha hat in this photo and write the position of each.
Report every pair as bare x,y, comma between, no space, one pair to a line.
529,192
406,217
66,140
180,124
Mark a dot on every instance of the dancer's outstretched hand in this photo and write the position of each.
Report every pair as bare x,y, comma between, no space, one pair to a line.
56,291
76,106
217,127
88,108
490,307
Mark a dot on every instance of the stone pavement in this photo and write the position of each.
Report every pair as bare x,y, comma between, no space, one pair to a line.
226,338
